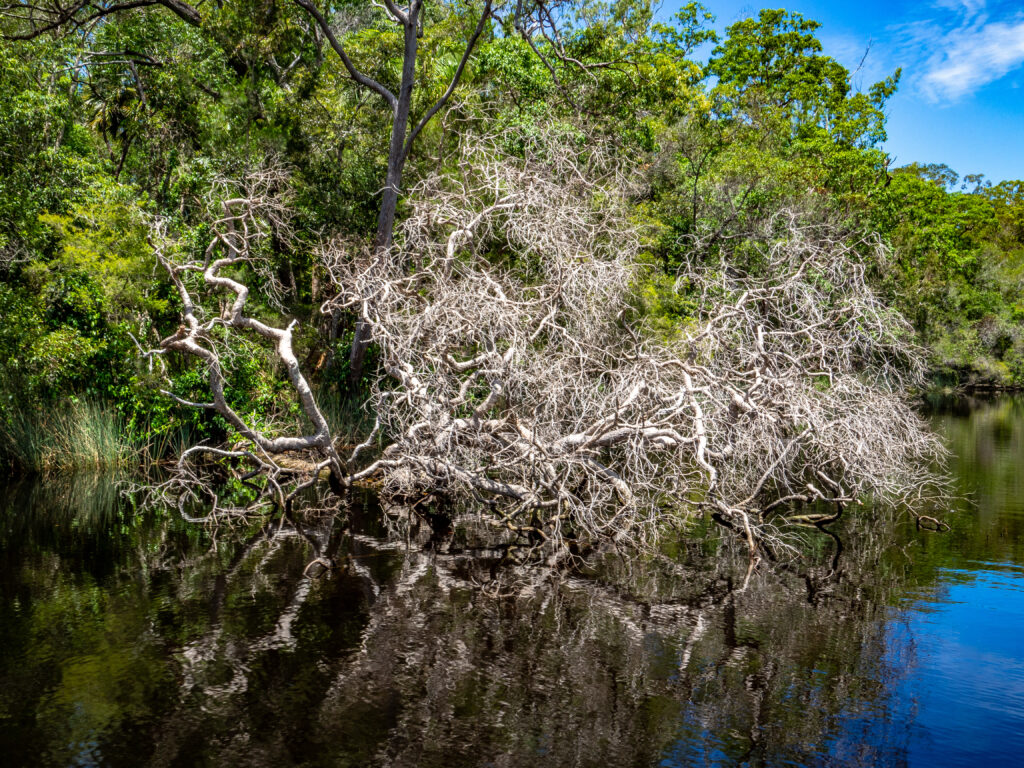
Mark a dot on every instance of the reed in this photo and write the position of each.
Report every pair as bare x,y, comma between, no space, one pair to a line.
165,445
76,435
94,435
346,414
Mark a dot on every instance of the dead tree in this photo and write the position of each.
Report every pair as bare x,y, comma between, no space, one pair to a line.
241,225
522,380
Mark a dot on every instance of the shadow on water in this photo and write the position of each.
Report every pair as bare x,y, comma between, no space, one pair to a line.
133,638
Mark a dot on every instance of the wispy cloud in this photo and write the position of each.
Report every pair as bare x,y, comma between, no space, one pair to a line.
975,47
969,7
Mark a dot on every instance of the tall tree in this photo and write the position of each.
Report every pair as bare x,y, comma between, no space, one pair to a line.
410,20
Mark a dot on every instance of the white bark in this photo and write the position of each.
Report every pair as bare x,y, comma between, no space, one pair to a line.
522,376
243,225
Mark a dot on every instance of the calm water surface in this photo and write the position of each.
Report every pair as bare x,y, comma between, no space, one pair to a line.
130,639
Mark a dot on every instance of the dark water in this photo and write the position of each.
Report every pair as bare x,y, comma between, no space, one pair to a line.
131,639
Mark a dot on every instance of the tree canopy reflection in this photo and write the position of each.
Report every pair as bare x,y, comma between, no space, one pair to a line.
140,639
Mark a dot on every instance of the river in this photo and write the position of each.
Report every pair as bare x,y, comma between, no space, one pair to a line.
131,638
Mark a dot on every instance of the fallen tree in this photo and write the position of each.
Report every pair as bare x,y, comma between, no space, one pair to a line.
519,374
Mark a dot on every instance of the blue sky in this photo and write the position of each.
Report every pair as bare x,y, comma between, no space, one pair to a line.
961,98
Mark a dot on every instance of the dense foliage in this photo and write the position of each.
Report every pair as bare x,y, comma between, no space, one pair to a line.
108,122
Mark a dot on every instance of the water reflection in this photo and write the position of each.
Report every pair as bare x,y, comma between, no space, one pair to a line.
133,638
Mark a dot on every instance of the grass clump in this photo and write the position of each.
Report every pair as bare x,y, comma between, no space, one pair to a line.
76,435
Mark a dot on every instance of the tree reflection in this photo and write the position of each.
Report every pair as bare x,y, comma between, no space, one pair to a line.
332,641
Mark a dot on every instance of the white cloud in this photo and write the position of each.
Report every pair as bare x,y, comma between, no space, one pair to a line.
969,7
961,46
971,56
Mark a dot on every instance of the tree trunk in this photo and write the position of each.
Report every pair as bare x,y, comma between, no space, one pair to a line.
392,183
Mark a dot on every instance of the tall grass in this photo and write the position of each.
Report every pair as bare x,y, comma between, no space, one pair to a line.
90,435
169,444
350,421
79,435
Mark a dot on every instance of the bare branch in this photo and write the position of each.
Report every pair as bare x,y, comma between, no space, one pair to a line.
49,16
517,377
245,221
485,14
354,73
